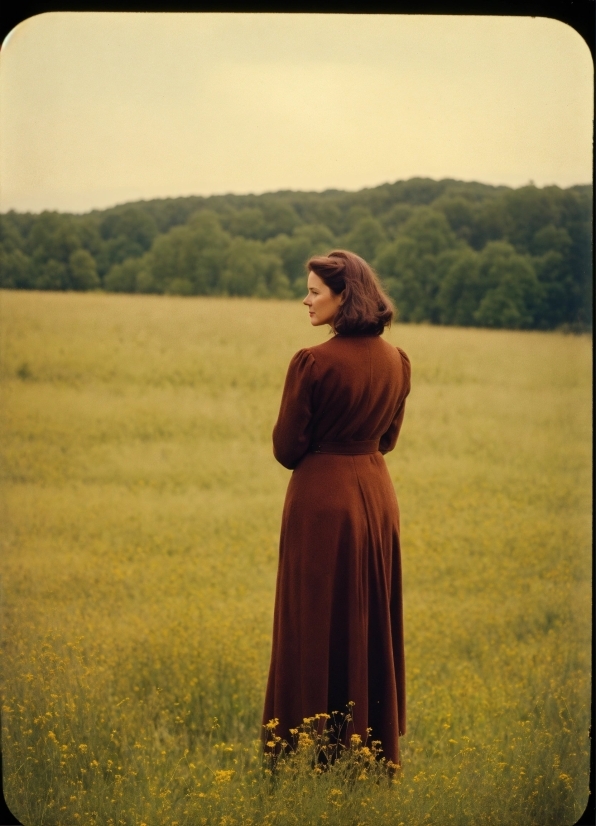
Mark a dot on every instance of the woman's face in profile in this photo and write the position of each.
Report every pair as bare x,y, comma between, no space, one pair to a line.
321,301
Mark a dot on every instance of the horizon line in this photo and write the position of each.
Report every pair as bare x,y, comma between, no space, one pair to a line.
530,183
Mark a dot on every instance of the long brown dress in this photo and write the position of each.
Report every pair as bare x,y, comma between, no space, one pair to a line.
338,631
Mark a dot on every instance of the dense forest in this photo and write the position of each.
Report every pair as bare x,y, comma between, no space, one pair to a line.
448,252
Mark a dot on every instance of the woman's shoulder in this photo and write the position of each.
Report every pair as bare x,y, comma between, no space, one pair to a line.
404,356
397,356
301,361
315,351
406,365
390,348
319,358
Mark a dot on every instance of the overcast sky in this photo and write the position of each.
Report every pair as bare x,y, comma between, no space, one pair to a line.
103,108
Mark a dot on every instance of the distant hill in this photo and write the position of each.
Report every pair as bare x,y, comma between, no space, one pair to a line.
448,252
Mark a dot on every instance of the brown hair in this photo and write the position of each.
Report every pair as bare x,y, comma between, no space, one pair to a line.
366,309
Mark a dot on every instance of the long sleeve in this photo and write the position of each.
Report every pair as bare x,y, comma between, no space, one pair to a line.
389,439
293,429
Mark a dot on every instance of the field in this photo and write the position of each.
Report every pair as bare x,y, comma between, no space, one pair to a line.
141,506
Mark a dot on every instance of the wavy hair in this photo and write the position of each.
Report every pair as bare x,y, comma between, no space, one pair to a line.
365,309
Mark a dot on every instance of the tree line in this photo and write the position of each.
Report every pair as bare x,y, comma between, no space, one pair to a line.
448,252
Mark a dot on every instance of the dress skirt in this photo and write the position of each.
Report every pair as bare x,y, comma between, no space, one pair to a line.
338,628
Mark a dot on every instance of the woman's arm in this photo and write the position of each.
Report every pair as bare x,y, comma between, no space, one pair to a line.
293,429
389,439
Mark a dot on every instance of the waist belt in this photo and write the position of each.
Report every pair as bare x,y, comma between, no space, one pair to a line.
346,448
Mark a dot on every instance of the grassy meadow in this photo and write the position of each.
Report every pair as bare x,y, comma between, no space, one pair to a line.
140,513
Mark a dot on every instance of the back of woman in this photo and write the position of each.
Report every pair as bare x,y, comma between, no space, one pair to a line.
338,631
354,385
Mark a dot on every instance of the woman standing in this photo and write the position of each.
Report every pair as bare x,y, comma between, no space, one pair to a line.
338,632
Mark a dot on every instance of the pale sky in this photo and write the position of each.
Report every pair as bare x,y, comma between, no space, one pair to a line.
104,108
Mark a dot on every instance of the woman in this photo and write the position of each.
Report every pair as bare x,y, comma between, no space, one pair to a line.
337,635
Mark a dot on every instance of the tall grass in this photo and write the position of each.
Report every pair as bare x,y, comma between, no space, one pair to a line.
141,508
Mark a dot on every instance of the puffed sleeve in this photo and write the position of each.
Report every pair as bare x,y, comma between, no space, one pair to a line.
293,429
389,439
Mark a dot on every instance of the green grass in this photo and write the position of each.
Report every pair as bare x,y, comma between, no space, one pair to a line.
141,506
